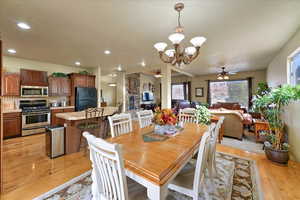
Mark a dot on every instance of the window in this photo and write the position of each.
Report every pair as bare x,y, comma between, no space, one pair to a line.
229,91
180,91
295,69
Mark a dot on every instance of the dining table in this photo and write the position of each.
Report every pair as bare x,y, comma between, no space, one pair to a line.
155,164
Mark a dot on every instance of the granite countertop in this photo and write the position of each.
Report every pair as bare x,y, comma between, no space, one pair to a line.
60,107
73,116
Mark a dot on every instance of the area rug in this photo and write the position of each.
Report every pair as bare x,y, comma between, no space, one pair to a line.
247,143
237,179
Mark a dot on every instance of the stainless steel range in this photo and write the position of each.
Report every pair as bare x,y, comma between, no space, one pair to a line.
35,116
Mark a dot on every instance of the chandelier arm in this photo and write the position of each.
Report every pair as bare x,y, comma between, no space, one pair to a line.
177,52
196,54
161,56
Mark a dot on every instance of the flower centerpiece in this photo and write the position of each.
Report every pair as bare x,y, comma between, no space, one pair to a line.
164,119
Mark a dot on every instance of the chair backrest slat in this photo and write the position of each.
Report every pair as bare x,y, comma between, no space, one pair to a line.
120,124
109,180
187,115
202,159
145,118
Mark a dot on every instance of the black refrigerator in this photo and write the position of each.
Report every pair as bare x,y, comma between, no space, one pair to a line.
85,98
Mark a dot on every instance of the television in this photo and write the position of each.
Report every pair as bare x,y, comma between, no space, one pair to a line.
147,96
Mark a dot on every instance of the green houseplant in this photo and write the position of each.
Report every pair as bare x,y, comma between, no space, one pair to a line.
202,115
271,106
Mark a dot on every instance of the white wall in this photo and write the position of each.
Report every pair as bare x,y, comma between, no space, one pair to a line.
109,94
277,75
12,64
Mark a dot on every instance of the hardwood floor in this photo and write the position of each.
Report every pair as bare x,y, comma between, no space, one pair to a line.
29,173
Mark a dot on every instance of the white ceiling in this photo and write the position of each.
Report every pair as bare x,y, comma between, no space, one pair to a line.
245,34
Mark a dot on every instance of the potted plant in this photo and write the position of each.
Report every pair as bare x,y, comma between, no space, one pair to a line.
271,106
202,115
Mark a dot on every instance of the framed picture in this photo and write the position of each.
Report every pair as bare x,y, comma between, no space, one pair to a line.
199,92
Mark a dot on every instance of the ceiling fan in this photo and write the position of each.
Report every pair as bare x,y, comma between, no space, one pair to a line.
156,73
224,75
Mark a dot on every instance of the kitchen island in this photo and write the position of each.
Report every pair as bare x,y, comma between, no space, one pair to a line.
71,120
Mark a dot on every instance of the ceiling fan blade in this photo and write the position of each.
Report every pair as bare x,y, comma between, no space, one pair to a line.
232,73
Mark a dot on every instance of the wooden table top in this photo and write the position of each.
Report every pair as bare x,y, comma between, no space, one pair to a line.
158,161
73,116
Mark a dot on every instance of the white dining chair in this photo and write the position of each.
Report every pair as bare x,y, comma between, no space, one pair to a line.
108,175
189,182
120,124
213,144
145,118
187,115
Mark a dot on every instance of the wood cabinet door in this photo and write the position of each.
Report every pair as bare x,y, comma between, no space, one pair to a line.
33,78
11,125
54,120
11,84
65,86
69,110
80,81
53,86
90,81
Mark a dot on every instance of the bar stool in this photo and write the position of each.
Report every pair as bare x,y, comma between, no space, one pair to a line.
92,124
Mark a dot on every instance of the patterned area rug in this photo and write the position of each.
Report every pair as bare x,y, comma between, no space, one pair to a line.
237,179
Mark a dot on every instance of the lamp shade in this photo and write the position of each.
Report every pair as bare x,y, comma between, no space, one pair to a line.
170,53
190,51
176,38
160,46
198,41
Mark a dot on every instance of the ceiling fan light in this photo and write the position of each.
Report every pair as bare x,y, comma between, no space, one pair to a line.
170,53
160,46
226,77
198,41
220,78
157,75
176,38
190,51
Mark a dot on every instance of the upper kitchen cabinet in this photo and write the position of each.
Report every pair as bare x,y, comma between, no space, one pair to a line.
59,86
33,78
79,80
11,84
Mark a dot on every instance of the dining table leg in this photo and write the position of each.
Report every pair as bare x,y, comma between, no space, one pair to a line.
156,192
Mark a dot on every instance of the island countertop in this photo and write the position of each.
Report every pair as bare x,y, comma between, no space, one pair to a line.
74,116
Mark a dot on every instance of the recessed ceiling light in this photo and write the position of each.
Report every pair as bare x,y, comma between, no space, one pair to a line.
77,63
112,84
107,52
23,25
12,51
119,68
143,64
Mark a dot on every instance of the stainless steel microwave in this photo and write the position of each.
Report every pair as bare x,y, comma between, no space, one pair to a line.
34,91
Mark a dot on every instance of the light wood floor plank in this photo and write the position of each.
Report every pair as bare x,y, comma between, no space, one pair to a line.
29,173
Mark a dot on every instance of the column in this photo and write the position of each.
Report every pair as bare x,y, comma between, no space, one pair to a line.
98,84
121,90
166,86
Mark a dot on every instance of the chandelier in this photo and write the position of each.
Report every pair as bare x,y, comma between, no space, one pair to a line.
179,55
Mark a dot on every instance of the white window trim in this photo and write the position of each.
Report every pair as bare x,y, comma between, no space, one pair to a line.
289,65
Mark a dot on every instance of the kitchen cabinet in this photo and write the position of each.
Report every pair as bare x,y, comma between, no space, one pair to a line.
11,125
79,80
59,86
57,121
33,78
11,84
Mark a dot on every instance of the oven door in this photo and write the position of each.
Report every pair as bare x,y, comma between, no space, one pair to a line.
35,119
